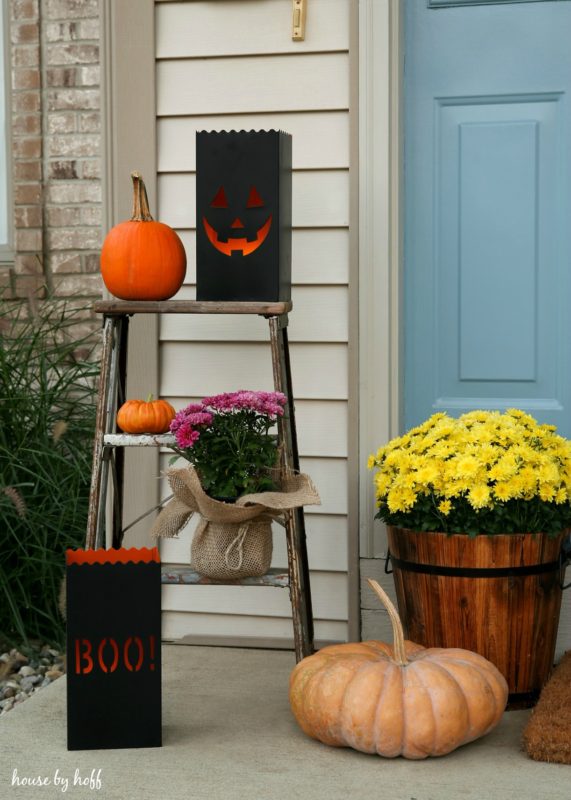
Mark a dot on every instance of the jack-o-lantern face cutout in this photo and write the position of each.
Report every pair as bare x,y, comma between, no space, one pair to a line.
230,232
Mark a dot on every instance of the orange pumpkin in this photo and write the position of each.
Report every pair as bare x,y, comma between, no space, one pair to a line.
145,416
142,259
403,700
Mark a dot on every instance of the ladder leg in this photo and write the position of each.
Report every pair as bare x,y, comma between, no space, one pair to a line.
100,426
104,423
118,464
300,592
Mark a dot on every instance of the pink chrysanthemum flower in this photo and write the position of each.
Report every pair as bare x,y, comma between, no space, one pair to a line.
228,439
186,436
182,416
200,418
269,404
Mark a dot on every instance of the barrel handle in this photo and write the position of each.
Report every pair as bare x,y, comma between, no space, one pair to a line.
387,562
564,559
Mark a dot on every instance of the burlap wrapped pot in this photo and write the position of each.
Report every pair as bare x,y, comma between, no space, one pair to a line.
232,540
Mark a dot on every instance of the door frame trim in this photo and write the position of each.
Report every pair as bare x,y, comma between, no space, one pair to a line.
381,56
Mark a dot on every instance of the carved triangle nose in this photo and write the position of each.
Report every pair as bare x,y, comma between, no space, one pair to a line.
237,223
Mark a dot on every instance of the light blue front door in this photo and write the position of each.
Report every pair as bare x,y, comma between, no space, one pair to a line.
487,282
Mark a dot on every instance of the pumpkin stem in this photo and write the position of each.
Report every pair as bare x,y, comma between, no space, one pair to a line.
149,398
141,212
398,633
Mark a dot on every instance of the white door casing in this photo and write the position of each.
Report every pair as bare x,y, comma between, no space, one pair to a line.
380,246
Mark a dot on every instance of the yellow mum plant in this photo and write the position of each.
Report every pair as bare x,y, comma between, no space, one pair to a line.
482,473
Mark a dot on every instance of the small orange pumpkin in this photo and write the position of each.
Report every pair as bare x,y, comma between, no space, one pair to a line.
403,700
145,416
142,259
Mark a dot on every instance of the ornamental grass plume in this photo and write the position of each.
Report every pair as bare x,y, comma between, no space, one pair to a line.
483,473
227,439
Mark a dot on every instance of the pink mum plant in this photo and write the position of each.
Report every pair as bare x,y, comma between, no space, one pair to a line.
227,439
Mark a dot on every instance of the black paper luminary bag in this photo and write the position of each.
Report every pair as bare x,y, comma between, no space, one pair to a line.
113,648
243,215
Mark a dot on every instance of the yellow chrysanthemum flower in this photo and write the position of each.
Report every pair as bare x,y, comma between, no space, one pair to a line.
479,496
400,499
427,473
445,428
548,473
517,486
561,495
488,454
465,484
475,416
504,468
397,459
440,450
547,492
452,489
528,477
467,467
485,457
408,481
445,507
382,484
523,453
505,490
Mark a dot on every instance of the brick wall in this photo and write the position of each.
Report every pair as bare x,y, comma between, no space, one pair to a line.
56,148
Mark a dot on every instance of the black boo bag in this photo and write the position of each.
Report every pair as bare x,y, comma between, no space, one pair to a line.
113,648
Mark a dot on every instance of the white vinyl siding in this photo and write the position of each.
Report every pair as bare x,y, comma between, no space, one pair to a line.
193,370
321,140
226,65
208,28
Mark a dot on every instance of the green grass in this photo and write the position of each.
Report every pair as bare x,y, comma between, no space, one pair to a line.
47,416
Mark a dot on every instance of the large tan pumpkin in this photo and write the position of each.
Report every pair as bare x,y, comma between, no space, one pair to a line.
403,700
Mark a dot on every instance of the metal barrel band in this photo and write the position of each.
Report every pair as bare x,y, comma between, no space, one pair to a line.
471,572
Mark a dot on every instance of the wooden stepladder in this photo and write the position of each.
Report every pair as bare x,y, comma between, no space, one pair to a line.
108,453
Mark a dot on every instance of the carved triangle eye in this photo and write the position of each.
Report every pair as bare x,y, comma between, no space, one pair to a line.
220,200
254,199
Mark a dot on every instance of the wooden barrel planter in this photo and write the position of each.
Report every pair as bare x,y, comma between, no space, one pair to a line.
499,596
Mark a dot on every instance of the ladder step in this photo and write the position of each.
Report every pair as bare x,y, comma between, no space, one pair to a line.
138,440
122,307
186,576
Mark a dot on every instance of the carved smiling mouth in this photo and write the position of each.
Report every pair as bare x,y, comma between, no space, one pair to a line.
235,244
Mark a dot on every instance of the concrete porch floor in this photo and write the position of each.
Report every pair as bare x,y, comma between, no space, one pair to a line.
228,733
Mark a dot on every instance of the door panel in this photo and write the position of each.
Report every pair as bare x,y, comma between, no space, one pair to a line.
487,194
450,3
